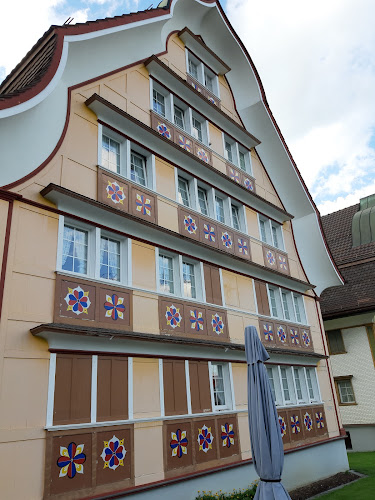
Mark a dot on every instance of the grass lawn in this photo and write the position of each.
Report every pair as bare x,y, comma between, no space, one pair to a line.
363,489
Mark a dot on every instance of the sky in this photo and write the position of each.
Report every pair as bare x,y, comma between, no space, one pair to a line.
316,61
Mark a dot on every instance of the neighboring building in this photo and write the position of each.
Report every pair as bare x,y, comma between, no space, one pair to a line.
349,316
150,210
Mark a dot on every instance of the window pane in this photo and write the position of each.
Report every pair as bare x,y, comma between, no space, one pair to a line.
235,217
228,151
110,154
189,280
109,259
297,308
219,206
284,382
218,385
202,198
137,168
310,384
74,253
346,391
183,192
262,226
298,383
158,102
197,129
193,69
209,82
274,236
285,305
272,383
179,117
166,274
273,302
242,161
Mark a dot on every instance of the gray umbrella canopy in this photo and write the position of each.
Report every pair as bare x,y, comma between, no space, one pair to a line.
266,442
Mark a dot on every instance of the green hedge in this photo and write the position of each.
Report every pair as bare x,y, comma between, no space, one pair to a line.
247,494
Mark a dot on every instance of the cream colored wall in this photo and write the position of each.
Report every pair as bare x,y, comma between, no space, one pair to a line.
146,398
148,461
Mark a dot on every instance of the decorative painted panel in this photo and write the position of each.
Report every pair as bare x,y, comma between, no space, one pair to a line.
205,437
269,257
118,193
240,177
203,153
302,425
226,239
295,424
242,247
184,142
274,333
178,445
163,127
192,320
276,260
284,427
229,439
248,182
189,223
203,91
83,463
79,301
209,233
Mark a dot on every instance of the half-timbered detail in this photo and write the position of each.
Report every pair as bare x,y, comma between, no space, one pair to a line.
153,214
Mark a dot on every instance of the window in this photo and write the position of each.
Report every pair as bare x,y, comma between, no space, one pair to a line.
183,192
166,278
197,129
137,168
179,276
272,382
220,386
312,384
74,251
286,305
235,217
189,280
345,390
271,232
219,209
285,385
202,200
300,385
228,151
209,82
110,154
193,69
335,342
109,259
179,117
242,160
158,102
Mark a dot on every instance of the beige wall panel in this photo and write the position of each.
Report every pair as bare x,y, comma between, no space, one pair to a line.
32,191
288,240
79,108
219,164
22,470
252,223
148,460
89,90
139,88
239,371
216,139
19,339
167,215
273,199
113,96
146,399
24,393
230,289
249,320
165,180
139,113
225,96
149,322
30,257
257,252
31,298
3,224
81,143
326,393
176,54
75,174
226,110
246,293
143,266
236,327
312,318
118,84
293,267
259,189
243,427
180,73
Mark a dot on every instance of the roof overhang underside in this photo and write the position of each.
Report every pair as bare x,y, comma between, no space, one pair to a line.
88,55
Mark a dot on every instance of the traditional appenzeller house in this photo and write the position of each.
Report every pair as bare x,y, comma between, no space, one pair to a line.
149,211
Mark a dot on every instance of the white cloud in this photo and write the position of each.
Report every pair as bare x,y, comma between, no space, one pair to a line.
317,64
340,202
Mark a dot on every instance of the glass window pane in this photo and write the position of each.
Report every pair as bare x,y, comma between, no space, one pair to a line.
166,274
202,198
183,192
272,383
209,82
138,168
262,226
275,237
228,151
273,302
189,280
158,102
235,217
285,385
218,384
193,69
219,208
297,308
109,259
285,305
298,383
179,117
74,252
197,129
110,154
242,161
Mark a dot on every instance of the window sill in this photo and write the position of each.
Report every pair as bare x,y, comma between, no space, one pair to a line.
348,404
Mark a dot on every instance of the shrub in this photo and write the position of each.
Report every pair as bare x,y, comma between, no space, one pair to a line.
247,494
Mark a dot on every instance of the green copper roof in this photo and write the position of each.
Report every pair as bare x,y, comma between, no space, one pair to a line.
363,225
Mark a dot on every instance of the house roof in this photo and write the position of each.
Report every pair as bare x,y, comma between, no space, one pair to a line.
356,264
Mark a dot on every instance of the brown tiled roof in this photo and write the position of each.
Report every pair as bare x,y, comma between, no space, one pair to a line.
357,266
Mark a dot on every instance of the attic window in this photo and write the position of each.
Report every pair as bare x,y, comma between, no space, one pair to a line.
363,224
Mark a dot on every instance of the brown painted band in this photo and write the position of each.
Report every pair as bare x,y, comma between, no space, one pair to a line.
186,477
5,253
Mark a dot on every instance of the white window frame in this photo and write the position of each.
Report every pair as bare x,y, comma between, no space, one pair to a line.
168,104
192,191
124,252
178,283
228,384
202,70
278,292
315,384
126,147
268,225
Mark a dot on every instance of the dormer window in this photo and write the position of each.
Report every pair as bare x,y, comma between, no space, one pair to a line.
202,73
158,102
193,69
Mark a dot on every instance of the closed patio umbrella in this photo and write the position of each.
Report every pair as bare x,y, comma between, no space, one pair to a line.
266,442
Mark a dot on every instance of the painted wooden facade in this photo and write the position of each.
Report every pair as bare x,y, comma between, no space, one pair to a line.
124,304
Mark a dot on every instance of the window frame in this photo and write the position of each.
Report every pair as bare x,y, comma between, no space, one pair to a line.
202,71
329,343
227,383
278,293
267,236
